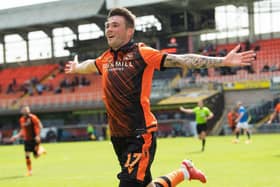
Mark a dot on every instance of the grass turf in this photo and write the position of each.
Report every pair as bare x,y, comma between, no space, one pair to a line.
84,164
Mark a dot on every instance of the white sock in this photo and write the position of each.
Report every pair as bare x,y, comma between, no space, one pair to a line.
186,173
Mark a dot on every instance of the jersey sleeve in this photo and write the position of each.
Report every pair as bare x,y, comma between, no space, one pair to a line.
195,109
208,111
98,64
153,57
101,60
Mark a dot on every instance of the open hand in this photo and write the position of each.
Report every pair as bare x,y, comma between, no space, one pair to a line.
233,58
70,67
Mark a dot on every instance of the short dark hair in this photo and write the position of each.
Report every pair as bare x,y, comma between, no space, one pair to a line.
124,12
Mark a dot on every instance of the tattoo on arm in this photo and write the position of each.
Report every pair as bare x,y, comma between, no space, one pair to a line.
192,61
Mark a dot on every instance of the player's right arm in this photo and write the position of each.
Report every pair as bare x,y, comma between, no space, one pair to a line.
15,137
85,67
189,111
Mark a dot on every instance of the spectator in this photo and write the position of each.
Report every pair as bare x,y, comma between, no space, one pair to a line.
273,68
265,68
10,89
76,81
30,89
34,81
61,67
39,88
84,81
58,90
14,82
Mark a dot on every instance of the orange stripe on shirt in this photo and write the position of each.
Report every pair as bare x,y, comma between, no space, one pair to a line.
145,159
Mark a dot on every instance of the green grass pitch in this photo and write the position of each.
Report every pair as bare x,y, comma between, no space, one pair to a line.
85,164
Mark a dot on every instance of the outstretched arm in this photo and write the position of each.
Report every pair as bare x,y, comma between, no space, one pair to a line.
190,61
85,67
15,137
189,111
271,118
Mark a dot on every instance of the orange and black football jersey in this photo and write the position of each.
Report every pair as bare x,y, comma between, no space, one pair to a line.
29,127
127,80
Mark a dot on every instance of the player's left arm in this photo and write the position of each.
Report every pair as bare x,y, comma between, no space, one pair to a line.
239,117
191,61
272,116
210,115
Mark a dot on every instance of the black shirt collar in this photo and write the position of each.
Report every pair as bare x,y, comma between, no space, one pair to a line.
124,48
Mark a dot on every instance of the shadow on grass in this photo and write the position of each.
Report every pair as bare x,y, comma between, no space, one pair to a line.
11,178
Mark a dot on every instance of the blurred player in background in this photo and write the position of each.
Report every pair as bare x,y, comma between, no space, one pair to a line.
202,115
90,132
275,113
30,131
127,70
232,117
242,122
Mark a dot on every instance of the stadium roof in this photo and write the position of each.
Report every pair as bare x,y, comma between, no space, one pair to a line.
188,96
52,14
75,12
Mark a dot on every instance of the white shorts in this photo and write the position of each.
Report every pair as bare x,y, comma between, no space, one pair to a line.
242,125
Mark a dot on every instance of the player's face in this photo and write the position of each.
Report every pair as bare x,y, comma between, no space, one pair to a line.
116,32
25,110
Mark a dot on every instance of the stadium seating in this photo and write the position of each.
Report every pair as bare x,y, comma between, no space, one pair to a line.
268,53
49,74
23,74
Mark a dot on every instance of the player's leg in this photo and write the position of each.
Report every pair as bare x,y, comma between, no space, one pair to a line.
28,148
203,139
28,163
38,150
201,130
234,129
247,132
237,132
187,171
135,155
